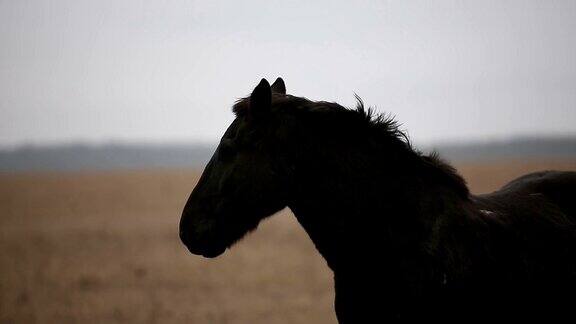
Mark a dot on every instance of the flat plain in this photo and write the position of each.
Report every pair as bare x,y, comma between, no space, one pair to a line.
103,247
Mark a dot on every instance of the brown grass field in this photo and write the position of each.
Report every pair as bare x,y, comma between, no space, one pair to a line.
102,247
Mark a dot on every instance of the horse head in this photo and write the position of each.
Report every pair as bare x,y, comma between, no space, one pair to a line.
243,182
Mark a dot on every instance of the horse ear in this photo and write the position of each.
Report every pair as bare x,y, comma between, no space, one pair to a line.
279,87
261,99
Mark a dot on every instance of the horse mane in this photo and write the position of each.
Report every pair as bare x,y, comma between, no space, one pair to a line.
388,127
384,123
383,127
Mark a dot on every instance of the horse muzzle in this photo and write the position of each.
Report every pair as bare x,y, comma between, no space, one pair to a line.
197,243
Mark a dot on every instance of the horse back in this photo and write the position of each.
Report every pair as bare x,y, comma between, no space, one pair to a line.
554,187
531,223
526,264
535,212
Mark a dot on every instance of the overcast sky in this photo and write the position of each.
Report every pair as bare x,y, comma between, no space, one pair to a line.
100,71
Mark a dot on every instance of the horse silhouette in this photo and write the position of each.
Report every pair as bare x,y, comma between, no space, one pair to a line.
406,240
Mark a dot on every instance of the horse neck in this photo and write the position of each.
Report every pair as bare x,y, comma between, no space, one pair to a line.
358,205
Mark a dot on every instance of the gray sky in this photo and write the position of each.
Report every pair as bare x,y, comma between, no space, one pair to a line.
131,70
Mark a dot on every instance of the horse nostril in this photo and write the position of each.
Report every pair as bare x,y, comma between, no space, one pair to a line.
184,236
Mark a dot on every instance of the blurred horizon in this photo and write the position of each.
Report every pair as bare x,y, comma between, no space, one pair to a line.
109,156
474,141
148,71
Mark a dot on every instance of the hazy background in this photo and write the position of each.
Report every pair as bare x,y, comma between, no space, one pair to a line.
132,96
168,71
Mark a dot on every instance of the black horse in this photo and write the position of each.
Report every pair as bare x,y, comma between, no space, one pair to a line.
405,239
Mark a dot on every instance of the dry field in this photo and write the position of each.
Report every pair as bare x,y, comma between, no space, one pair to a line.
103,248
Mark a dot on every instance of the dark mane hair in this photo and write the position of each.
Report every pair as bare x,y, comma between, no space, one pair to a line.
383,127
360,117
384,123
